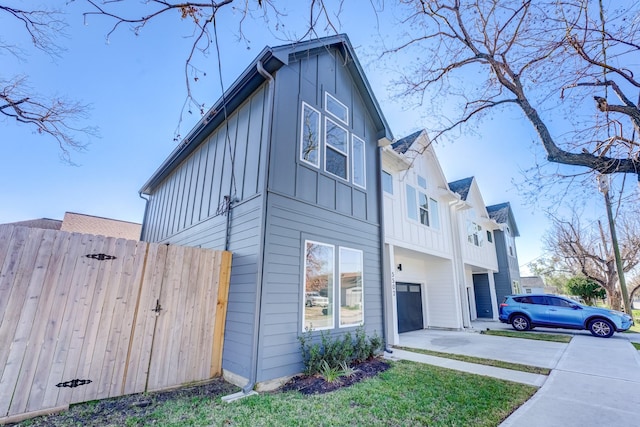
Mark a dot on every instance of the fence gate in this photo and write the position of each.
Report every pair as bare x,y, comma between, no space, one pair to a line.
86,317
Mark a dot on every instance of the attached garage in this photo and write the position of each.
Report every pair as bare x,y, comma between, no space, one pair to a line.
409,302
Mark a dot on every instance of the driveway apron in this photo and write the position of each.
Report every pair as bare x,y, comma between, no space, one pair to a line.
595,383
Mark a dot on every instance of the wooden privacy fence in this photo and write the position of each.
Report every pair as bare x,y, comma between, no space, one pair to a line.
86,317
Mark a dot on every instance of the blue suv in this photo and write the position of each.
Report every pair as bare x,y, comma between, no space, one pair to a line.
527,311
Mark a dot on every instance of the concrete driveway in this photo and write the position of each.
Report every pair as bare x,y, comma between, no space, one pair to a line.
594,381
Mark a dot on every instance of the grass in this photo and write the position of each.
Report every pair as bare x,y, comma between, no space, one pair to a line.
408,394
636,345
636,318
540,336
482,361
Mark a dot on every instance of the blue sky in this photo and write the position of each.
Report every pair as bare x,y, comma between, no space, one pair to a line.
135,85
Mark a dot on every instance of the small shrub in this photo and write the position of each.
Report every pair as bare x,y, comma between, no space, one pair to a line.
330,373
347,371
337,352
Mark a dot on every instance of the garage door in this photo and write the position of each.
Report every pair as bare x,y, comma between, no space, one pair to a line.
409,301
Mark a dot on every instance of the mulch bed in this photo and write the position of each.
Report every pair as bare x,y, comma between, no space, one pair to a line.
317,385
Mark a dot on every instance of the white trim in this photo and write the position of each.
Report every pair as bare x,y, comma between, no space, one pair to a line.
330,295
364,161
327,145
328,95
339,287
319,124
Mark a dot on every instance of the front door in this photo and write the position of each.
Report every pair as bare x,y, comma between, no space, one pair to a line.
409,301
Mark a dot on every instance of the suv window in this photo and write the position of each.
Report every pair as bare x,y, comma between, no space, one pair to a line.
539,300
560,302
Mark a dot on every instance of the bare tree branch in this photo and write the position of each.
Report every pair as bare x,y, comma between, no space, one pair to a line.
54,116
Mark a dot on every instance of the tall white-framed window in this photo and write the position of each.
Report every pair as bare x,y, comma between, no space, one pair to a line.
336,108
319,275
326,139
358,162
510,241
412,204
323,302
422,182
310,135
387,182
350,295
336,149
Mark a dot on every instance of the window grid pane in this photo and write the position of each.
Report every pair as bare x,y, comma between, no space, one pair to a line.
336,108
412,204
310,136
318,285
357,154
387,182
351,290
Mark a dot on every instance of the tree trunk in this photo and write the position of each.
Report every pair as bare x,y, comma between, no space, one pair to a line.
614,299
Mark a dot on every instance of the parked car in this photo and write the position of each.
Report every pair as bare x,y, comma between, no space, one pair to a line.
527,311
314,298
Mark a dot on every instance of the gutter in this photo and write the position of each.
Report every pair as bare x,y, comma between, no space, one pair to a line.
247,390
385,265
144,216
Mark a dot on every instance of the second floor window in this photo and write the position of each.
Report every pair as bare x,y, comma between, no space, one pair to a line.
422,208
343,154
474,234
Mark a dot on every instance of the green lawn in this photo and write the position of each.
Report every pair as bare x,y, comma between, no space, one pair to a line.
636,345
482,361
530,335
408,394
636,319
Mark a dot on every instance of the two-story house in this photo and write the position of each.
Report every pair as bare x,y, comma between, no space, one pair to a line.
419,244
477,249
283,171
507,278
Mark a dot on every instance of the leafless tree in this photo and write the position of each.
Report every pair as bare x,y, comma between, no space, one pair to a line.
203,18
54,116
586,250
570,67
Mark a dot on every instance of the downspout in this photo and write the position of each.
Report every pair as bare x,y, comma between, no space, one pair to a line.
385,265
248,389
144,217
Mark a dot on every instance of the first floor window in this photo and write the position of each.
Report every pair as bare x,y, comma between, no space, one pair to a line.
320,296
350,287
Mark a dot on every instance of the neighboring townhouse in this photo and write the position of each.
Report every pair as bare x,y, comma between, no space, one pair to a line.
419,245
283,171
507,279
475,237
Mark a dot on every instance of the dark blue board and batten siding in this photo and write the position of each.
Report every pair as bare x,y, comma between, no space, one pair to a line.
305,202
183,210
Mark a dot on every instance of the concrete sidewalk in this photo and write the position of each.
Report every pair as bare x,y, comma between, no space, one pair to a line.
596,383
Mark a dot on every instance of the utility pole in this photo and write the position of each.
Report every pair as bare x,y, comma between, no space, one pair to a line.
603,186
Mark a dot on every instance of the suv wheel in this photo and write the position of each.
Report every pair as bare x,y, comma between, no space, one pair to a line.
601,328
520,323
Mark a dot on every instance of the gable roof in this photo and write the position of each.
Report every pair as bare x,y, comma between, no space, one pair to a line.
271,59
403,144
503,214
44,223
462,187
